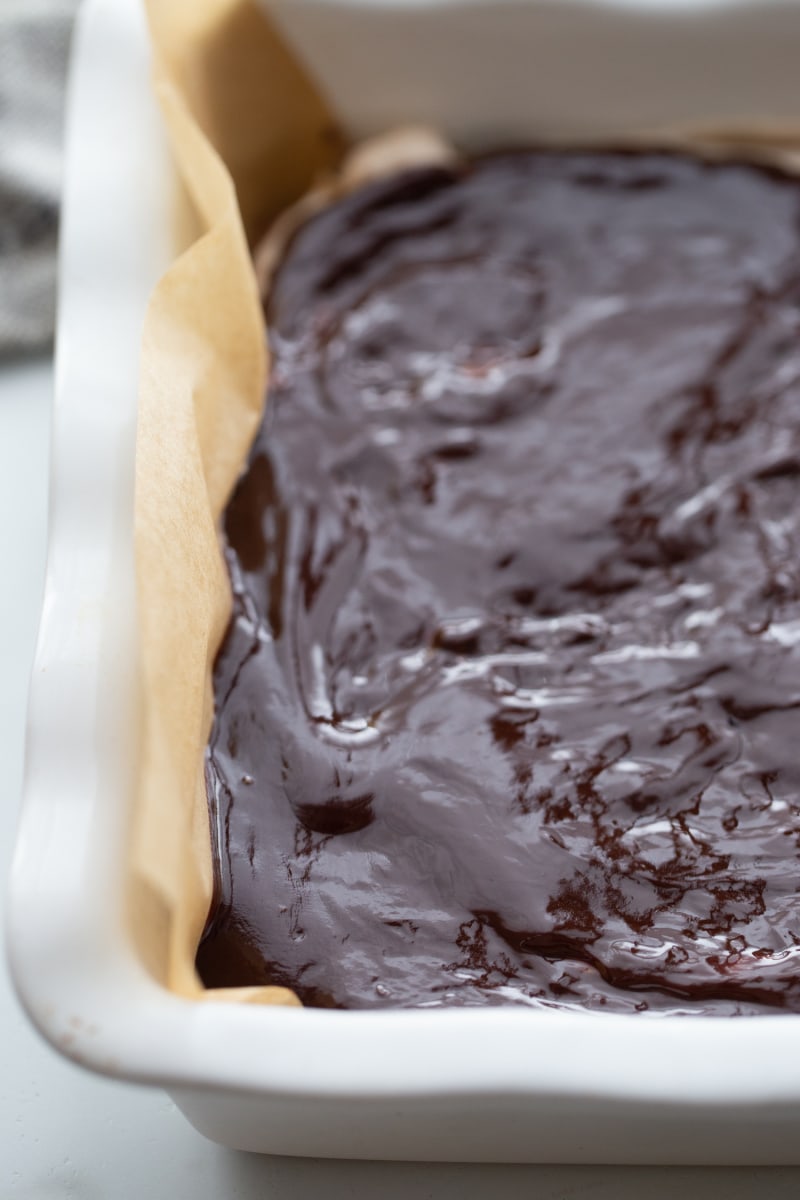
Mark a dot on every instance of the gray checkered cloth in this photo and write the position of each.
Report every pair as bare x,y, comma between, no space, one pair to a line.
34,42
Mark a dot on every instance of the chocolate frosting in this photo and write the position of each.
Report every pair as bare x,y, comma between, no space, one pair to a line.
509,705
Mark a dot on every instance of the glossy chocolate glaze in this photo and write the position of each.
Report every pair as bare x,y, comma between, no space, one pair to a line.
509,708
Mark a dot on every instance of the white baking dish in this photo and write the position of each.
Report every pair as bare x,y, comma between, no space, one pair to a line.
502,1085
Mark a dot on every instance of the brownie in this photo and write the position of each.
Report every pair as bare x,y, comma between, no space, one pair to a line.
507,707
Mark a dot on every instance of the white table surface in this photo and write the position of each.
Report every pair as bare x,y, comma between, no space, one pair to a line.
67,1135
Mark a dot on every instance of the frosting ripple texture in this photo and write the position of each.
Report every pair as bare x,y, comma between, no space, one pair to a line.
508,710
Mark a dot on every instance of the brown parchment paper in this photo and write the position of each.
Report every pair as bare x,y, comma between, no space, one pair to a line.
251,136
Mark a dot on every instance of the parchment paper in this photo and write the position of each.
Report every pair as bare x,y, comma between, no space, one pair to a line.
250,136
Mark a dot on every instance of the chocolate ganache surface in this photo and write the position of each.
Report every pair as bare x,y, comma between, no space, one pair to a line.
509,706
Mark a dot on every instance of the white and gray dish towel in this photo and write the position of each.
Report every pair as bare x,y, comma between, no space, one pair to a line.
34,45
